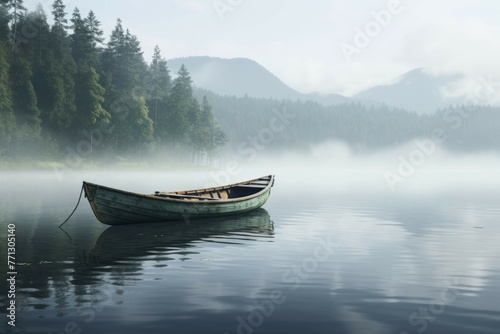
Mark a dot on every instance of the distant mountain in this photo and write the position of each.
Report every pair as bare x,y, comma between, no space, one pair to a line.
241,76
414,91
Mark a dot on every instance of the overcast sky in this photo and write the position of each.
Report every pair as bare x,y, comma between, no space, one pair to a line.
321,45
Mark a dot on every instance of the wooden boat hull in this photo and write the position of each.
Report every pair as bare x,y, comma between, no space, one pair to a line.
114,206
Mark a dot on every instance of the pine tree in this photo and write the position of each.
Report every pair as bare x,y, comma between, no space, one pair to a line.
125,72
57,81
93,26
89,93
134,66
42,61
89,100
15,8
40,43
123,63
159,87
86,38
60,21
116,41
110,66
180,107
16,11
80,39
212,136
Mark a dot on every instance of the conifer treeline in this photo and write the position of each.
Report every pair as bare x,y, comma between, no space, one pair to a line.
255,124
60,83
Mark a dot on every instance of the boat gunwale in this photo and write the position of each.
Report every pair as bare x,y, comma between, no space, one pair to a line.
208,202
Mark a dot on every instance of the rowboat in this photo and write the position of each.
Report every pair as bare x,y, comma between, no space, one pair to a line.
113,206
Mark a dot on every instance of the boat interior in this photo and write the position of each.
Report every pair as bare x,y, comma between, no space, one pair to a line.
227,192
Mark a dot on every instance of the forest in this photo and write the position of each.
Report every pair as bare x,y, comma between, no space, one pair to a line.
66,93
62,89
466,128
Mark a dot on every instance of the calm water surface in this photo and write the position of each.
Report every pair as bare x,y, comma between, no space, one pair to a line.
310,261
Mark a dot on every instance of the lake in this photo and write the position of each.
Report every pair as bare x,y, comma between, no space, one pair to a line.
319,257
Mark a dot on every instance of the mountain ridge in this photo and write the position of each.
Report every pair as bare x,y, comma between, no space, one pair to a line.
416,90
243,76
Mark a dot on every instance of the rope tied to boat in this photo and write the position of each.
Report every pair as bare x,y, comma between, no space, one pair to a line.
78,203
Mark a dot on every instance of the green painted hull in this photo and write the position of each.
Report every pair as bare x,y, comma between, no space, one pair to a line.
114,206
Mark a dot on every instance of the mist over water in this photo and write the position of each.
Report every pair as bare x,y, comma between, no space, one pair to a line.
334,168
329,168
334,245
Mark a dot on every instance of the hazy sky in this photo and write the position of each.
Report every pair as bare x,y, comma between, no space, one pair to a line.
320,45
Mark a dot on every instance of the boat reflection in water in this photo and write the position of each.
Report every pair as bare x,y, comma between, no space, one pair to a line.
133,242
